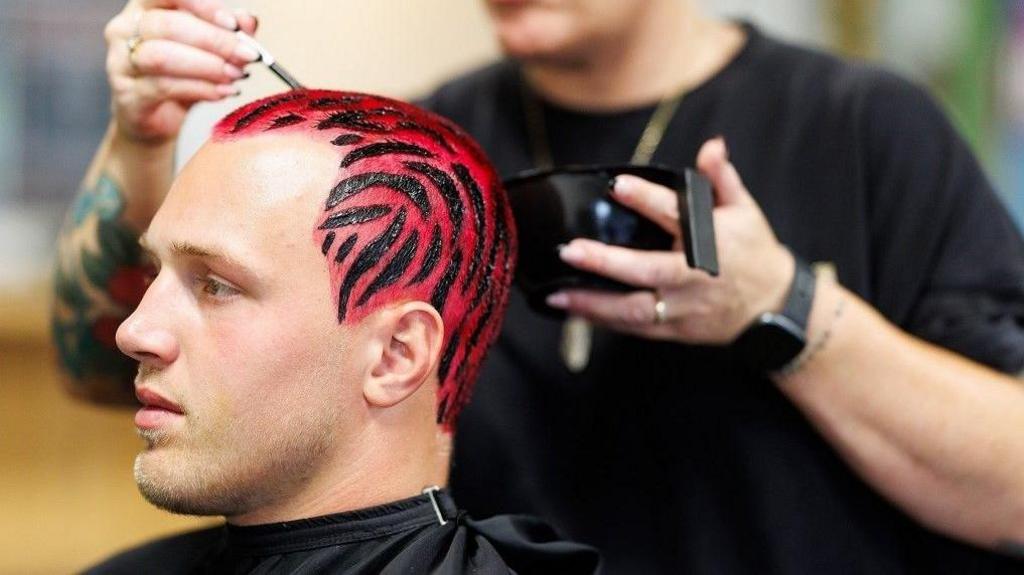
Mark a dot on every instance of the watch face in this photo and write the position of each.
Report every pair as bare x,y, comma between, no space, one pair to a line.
772,342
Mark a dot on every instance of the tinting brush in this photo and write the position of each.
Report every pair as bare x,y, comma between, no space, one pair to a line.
271,63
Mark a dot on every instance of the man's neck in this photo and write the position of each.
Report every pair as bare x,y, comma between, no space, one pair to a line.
386,468
672,48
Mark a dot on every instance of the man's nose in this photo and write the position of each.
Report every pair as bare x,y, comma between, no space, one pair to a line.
147,334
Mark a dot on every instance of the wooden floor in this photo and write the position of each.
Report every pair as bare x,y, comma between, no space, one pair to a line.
67,498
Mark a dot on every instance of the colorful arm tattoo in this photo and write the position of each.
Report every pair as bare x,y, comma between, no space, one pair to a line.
99,279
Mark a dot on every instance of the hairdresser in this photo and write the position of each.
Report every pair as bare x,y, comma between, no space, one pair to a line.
845,397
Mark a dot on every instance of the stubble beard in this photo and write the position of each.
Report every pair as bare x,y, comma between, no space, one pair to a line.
202,472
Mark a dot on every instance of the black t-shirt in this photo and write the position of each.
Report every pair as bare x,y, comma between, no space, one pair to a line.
404,537
675,459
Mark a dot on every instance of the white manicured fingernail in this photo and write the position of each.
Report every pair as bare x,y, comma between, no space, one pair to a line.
224,19
570,253
623,186
725,147
227,90
242,13
557,300
233,71
245,52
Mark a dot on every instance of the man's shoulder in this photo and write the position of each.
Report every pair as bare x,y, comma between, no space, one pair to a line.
527,544
174,554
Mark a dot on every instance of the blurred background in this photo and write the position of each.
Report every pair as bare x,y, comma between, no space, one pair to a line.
67,497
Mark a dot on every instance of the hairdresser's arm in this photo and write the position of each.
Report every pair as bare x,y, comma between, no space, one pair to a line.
937,434
187,52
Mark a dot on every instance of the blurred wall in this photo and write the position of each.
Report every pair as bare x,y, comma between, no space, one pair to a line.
66,493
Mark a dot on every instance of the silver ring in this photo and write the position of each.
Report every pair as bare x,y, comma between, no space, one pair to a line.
134,41
660,309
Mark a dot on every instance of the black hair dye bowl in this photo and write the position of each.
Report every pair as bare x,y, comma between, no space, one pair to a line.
553,207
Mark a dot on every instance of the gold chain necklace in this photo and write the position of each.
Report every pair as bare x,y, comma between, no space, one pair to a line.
577,332
648,143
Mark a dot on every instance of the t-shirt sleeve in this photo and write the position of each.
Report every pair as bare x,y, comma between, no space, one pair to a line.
948,259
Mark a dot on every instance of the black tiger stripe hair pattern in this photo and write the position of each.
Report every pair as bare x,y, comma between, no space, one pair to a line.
416,212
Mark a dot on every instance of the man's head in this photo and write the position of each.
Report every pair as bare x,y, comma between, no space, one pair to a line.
333,267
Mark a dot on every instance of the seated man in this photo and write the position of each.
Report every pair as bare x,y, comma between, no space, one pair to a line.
331,269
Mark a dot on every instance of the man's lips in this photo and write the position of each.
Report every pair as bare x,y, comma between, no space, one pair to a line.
149,398
156,410
510,3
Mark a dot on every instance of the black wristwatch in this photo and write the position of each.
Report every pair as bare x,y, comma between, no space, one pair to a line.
775,339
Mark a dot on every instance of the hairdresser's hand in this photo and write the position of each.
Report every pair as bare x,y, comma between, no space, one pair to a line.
185,51
755,268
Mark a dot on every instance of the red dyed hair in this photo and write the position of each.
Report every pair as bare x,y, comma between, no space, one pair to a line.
416,212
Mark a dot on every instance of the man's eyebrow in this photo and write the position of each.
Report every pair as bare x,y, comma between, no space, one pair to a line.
189,249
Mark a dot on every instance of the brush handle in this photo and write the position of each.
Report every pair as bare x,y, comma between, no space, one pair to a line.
270,62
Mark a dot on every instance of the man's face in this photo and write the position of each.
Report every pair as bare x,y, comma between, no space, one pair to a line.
560,30
238,333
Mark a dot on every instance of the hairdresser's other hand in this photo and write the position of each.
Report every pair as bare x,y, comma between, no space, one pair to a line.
186,52
755,269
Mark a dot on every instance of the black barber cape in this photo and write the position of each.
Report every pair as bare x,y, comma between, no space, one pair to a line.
676,459
404,537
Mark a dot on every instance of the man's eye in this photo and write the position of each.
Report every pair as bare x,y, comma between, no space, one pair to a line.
215,288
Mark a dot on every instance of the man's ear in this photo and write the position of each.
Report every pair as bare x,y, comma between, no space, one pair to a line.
411,334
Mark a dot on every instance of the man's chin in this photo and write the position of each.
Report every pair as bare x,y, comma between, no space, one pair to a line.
170,481
163,483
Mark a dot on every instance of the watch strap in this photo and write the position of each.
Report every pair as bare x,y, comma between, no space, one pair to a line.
801,294
775,339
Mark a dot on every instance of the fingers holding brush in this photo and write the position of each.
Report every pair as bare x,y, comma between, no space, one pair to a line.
184,28
212,11
167,58
165,55
158,88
